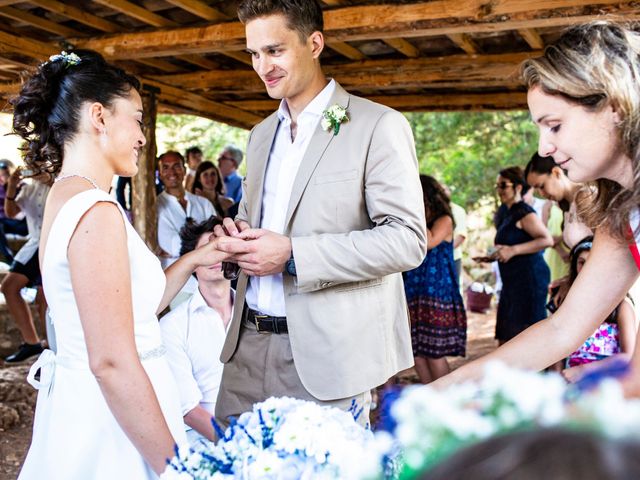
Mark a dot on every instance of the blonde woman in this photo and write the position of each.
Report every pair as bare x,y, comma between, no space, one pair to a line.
584,96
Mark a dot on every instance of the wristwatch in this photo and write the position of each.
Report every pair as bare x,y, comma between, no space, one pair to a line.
290,267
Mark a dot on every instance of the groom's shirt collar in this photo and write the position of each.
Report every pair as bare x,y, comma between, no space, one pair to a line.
315,106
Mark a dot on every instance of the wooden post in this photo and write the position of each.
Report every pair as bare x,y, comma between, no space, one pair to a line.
143,185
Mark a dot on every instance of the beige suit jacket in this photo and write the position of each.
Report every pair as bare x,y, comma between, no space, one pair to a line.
356,220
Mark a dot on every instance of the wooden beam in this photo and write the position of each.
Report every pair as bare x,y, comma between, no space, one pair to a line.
78,15
9,64
241,57
200,61
532,37
379,74
426,102
12,88
5,3
197,102
139,13
345,49
143,188
465,42
26,46
41,23
404,47
425,19
454,101
200,9
159,64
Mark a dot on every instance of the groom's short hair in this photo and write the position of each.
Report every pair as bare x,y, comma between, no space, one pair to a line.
303,16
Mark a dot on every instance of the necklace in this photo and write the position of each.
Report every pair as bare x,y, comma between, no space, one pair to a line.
71,175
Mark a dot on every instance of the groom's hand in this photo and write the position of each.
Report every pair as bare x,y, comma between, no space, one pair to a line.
229,228
262,253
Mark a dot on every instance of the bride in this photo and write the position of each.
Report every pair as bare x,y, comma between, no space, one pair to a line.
107,403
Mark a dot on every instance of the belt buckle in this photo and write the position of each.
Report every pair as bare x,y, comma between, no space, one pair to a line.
257,319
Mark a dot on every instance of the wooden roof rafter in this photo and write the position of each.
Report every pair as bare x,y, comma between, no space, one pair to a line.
414,54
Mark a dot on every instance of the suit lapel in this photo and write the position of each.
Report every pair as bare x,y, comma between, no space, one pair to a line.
259,161
317,146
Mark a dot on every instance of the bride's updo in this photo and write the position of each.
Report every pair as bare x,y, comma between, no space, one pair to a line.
47,110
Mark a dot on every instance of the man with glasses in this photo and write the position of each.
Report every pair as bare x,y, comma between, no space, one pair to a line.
228,162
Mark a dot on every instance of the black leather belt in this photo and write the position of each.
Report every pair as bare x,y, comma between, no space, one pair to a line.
267,323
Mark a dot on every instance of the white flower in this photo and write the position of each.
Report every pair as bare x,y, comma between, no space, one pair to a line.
67,58
333,117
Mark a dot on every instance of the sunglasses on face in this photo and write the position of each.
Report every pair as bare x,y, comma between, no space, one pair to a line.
503,185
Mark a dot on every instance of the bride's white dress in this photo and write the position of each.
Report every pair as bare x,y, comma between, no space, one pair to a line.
75,435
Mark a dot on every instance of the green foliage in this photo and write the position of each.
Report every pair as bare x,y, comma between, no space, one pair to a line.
465,150
179,132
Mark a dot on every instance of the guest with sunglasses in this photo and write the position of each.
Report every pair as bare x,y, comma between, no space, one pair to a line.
521,237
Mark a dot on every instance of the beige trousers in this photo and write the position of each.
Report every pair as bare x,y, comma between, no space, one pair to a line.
263,367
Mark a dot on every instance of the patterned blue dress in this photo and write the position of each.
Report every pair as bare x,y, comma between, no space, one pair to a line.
438,317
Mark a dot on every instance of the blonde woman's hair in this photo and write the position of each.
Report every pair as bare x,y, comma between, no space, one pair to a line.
595,65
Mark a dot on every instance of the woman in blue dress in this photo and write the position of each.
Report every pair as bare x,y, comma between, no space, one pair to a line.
438,318
521,238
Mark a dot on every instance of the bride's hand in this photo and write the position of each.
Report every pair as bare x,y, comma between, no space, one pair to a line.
209,253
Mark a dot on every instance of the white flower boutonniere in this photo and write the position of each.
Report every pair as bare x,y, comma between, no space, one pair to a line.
333,117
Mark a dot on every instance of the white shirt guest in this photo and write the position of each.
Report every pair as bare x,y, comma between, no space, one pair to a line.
172,217
194,334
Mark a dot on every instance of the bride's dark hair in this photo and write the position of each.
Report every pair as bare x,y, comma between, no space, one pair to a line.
47,109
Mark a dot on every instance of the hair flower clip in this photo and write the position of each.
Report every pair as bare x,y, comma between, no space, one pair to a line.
69,59
333,117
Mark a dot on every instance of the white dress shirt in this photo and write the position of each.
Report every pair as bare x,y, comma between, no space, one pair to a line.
31,200
172,217
266,294
193,335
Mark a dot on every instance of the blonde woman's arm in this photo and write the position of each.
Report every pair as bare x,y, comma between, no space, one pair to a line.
601,285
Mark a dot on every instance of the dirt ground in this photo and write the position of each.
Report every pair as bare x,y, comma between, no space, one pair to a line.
17,397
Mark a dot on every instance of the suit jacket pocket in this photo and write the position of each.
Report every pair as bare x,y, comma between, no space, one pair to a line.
348,287
335,177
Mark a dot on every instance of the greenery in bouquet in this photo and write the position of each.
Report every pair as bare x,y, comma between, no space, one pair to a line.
285,438
429,425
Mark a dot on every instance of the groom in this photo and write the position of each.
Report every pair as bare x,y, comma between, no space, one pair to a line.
328,218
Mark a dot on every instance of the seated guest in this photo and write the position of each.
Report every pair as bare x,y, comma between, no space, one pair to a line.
194,159
25,269
175,205
16,226
229,161
208,184
194,333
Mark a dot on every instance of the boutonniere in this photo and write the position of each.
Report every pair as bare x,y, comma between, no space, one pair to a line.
333,117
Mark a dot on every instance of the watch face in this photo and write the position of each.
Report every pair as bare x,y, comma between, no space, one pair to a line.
290,267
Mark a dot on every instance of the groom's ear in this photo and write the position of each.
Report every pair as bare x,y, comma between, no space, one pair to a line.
317,43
